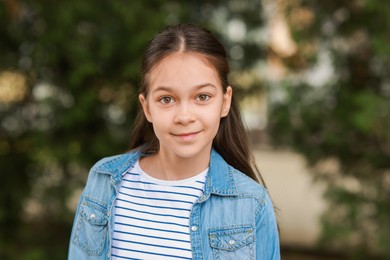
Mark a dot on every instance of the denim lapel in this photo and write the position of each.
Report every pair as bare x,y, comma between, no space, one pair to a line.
116,166
220,179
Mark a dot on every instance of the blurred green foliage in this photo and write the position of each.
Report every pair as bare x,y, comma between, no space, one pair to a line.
68,96
68,89
80,62
342,126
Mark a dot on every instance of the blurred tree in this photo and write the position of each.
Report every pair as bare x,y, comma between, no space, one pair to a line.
68,91
68,75
335,109
240,26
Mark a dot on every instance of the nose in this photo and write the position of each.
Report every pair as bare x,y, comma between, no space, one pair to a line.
184,114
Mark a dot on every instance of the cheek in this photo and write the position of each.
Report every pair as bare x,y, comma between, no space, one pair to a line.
155,114
160,125
213,122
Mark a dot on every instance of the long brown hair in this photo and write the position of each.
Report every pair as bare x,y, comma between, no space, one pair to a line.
231,141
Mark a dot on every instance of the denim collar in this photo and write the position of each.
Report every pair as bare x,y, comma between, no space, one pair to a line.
219,180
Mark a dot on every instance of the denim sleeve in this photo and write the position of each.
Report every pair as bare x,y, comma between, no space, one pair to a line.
73,251
267,235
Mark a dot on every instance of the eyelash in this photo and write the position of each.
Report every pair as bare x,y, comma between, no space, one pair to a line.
200,97
161,100
203,95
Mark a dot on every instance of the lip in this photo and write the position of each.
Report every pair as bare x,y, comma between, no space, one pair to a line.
187,136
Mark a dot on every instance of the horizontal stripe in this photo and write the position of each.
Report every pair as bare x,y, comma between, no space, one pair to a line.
154,221
182,216
151,216
142,235
153,206
152,245
133,173
161,191
189,187
160,199
150,253
123,257
151,213
157,229
151,183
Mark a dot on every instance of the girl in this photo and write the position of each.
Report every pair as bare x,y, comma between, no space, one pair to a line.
187,189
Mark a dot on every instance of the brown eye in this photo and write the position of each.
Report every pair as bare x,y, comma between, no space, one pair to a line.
166,100
203,97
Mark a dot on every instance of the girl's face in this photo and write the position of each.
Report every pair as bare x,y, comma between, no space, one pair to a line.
185,103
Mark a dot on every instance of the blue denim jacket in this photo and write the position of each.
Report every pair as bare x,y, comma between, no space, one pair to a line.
233,219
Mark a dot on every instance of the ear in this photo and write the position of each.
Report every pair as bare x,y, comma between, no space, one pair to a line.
227,101
145,106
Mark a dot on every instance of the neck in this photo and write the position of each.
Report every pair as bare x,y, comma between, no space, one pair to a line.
166,166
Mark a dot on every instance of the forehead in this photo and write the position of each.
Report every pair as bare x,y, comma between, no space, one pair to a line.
183,69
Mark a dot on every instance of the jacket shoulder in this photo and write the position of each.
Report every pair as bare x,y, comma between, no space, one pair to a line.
247,186
115,163
107,161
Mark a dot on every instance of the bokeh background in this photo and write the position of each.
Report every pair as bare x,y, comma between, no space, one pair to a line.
314,85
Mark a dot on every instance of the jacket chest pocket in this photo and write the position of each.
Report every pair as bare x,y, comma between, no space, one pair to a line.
232,242
92,228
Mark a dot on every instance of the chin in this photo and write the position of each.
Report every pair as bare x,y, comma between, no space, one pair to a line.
190,152
187,154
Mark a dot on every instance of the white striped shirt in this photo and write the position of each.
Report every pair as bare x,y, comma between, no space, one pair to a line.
151,218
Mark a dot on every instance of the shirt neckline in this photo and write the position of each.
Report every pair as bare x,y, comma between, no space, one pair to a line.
198,177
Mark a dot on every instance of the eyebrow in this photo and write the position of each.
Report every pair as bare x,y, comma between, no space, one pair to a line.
196,87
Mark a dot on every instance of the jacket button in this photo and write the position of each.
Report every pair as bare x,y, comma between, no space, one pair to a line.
92,216
194,228
232,242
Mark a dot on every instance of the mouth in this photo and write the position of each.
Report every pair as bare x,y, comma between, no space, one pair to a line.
187,136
